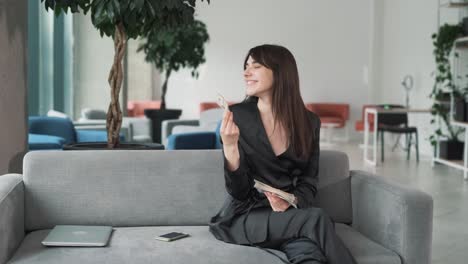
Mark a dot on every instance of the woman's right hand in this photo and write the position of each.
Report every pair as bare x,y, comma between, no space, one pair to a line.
229,130
230,136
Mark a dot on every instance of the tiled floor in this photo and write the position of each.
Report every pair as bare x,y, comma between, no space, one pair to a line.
447,187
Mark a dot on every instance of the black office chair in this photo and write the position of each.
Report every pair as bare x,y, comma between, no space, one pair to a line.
396,123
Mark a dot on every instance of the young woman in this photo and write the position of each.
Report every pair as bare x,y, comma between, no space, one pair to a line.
271,137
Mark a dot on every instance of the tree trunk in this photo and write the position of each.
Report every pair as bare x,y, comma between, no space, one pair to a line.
164,90
114,113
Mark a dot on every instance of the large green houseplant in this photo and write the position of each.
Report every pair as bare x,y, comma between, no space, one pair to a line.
445,84
124,19
174,48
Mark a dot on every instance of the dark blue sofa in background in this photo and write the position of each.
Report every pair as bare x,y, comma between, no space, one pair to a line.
53,132
195,140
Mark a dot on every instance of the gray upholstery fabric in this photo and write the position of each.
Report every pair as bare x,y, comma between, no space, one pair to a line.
122,188
364,250
140,128
89,113
209,118
137,245
180,191
180,129
334,194
394,216
208,121
168,125
11,214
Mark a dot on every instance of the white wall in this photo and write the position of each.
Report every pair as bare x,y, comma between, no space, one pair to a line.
142,78
404,46
93,56
329,39
334,41
92,60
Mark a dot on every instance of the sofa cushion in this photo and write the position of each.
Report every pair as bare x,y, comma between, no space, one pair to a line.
137,245
140,128
193,140
88,135
38,142
181,129
122,188
135,188
89,113
210,118
363,249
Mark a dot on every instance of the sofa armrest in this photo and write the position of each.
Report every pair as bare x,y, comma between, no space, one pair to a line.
397,217
168,125
11,215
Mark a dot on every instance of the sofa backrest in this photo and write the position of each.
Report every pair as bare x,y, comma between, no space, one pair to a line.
334,187
53,126
138,188
93,114
209,119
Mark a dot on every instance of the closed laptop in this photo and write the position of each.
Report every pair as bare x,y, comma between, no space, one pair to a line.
78,236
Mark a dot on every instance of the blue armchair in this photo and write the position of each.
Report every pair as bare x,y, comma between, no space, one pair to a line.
207,123
195,140
53,132
38,142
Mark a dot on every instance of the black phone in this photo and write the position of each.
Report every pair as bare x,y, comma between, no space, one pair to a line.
171,236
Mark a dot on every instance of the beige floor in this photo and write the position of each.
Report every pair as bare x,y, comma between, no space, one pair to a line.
447,187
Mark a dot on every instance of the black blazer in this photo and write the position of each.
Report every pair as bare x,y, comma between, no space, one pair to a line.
258,161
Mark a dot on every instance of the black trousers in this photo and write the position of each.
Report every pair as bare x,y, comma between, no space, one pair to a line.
306,236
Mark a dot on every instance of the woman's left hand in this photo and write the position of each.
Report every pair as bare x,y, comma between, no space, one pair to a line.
277,203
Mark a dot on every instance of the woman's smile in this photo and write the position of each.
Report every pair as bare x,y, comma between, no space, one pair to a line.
250,82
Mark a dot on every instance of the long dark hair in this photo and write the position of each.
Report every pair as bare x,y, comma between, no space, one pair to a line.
287,105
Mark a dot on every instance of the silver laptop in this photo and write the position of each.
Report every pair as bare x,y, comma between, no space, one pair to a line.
78,236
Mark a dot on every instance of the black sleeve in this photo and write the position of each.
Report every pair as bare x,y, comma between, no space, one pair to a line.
239,183
306,185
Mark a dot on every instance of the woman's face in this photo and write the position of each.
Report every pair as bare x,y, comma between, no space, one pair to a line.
258,78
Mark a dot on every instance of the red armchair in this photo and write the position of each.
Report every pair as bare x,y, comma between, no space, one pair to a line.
359,125
332,115
210,105
331,112
137,108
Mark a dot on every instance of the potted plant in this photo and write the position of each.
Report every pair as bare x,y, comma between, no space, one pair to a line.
443,88
169,50
121,20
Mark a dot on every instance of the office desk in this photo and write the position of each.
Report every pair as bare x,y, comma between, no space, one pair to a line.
375,111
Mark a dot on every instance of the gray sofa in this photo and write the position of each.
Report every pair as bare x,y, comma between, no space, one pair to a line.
147,193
